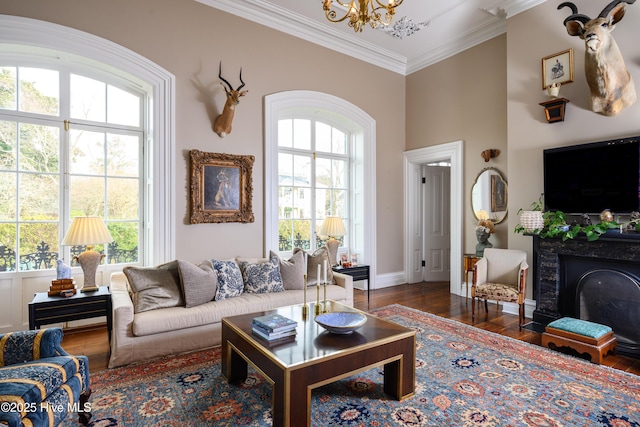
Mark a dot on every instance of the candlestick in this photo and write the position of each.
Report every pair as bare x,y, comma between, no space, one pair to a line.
325,271
317,307
324,305
318,279
305,307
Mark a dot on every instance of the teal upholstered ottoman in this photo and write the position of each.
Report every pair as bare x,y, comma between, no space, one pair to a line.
584,337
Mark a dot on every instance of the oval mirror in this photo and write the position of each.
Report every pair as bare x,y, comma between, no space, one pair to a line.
489,196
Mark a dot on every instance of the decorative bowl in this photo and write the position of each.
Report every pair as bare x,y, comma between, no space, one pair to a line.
341,322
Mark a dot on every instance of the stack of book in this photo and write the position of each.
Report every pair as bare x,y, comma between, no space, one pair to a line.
274,326
66,287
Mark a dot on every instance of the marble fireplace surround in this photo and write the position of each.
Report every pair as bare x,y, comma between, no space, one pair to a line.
559,267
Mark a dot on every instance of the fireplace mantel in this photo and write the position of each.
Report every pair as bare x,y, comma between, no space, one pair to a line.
554,298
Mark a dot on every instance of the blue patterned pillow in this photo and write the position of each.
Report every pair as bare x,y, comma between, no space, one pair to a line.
262,278
229,279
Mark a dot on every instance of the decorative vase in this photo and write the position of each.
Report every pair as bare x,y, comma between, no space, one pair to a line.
553,90
532,221
606,216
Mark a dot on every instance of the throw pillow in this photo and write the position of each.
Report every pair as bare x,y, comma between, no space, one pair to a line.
199,282
229,279
315,259
155,287
262,278
292,270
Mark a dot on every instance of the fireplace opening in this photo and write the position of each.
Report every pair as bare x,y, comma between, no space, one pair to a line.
611,298
605,292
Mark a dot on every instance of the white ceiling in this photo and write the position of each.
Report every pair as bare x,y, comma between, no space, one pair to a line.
445,27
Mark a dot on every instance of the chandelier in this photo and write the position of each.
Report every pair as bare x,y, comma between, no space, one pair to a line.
361,12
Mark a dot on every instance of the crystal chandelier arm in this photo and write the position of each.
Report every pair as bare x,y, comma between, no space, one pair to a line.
389,9
332,15
361,12
389,3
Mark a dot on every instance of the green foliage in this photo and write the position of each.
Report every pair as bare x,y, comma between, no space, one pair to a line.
555,225
538,205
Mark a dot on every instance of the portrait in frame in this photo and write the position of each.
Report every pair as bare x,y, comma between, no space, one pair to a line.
221,188
498,194
557,68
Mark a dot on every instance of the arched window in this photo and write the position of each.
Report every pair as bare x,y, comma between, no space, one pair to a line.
70,145
319,161
86,128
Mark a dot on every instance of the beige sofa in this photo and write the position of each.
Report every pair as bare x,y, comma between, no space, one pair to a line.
155,333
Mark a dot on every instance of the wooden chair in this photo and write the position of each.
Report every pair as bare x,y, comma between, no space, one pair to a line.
501,275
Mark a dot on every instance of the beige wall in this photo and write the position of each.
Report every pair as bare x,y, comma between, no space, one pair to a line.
464,98
187,38
533,35
486,96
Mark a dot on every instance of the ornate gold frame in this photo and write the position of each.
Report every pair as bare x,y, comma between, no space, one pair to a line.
565,58
221,188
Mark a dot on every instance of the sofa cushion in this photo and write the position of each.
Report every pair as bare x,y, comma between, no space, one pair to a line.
199,282
230,282
261,277
155,287
292,270
176,318
315,259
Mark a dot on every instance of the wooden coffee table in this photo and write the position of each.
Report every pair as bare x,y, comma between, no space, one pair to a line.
317,357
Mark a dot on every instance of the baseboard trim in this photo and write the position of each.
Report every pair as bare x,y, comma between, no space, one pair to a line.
382,281
512,308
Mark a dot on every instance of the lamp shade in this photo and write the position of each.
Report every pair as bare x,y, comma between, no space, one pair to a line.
87,230
332,226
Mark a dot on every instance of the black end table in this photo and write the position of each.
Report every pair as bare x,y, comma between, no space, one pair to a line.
358,272
44,310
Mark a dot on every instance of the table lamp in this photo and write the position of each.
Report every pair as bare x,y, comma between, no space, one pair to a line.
89,231
333,227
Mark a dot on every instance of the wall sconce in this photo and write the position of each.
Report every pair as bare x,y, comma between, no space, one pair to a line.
489,154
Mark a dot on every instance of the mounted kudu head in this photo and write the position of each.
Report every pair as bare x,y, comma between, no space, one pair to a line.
610,83
222,124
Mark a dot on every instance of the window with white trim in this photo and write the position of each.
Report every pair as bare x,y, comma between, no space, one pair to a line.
313,180
71,144
345,123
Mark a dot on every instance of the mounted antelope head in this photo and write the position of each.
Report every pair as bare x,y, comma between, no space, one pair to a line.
610,83
222,124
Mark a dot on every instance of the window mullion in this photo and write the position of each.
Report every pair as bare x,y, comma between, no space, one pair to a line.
65,202
314,156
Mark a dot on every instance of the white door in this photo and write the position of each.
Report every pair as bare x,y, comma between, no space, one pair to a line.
436,223
416,237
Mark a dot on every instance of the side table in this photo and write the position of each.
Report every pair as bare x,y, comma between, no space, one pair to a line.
44,310
358,272
469,261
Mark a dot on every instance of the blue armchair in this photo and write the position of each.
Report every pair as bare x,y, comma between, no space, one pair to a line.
40,383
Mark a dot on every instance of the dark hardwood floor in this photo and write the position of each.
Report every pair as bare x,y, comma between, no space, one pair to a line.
431,297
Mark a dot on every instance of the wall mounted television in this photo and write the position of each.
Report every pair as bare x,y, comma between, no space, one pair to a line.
589,178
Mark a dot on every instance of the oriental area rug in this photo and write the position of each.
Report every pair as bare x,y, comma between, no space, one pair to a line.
464,377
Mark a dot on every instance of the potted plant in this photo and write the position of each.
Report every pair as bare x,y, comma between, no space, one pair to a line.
532,220
554,224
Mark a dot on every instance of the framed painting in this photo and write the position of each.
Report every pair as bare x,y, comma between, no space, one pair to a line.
498,194
221,187
557,68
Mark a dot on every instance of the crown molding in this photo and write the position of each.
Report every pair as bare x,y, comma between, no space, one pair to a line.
297,25
300,26
490,28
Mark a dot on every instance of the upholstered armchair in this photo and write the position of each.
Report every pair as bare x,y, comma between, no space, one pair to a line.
501,275
40,383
